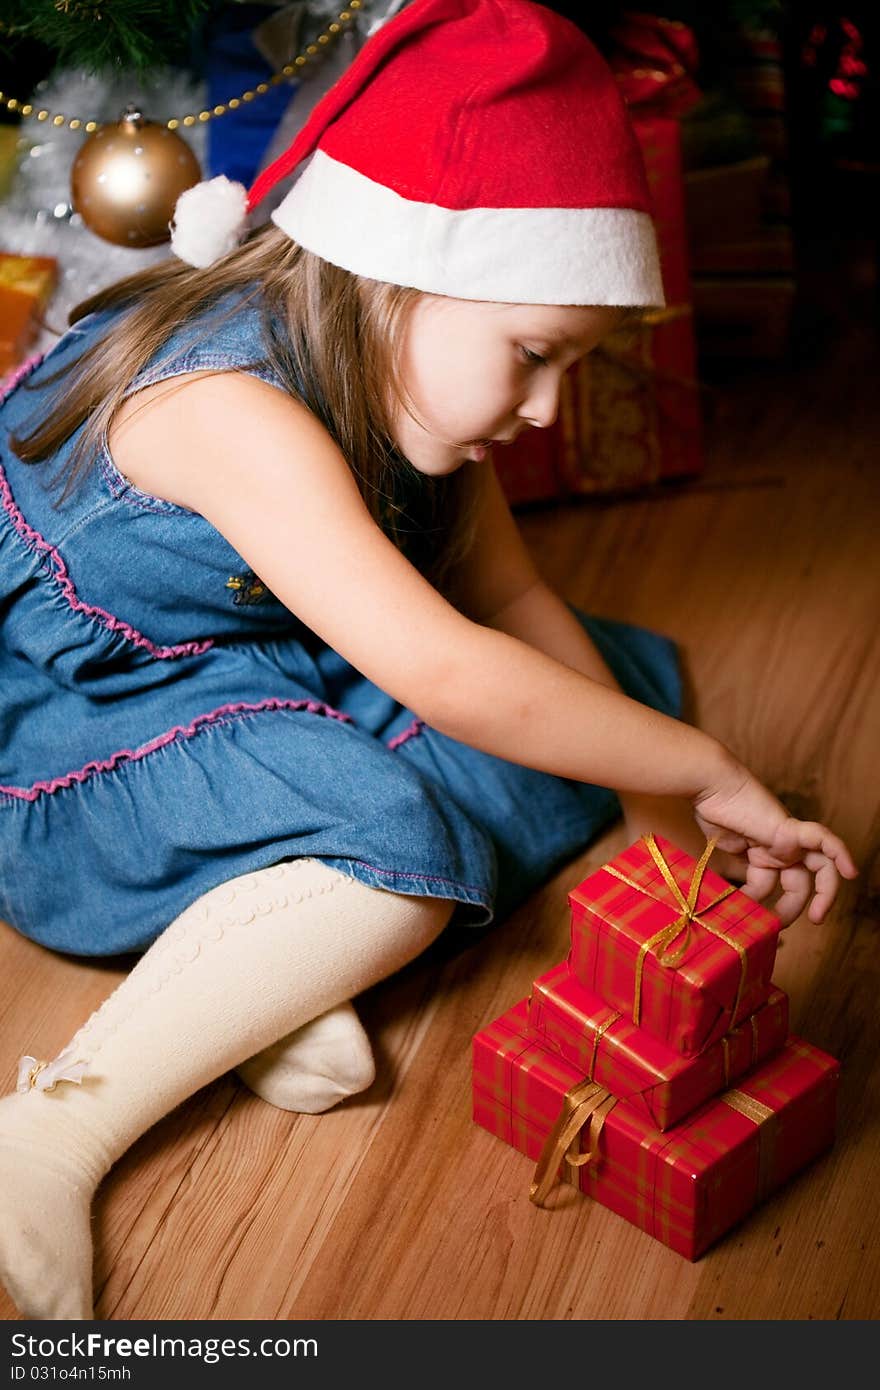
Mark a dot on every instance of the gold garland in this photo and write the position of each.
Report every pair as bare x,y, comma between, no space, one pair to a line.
311,51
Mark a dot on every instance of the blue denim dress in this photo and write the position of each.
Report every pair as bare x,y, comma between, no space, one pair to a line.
168,724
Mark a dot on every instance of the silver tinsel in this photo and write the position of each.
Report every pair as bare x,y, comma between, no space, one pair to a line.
36,217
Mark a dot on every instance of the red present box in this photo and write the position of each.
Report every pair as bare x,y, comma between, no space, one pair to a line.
607,1047
685,1186
629,413
671,945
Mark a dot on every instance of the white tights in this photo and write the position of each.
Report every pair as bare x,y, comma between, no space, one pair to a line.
247,964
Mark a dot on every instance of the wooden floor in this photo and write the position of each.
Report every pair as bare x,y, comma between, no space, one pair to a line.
397,1206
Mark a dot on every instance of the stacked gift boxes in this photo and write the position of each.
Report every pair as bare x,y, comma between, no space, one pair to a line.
653,1068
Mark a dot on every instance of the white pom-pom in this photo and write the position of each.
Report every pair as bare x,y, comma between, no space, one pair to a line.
209,220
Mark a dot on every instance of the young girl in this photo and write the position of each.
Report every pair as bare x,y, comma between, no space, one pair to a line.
283,693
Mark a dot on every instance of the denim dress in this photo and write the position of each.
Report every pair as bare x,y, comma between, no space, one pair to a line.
167,724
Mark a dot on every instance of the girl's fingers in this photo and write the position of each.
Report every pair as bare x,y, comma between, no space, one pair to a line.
806,860
827,884
760,882
797,886
794,836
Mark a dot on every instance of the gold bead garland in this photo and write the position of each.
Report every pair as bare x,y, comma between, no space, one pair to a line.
311,51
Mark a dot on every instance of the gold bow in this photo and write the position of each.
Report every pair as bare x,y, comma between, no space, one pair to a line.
662,940
585,1102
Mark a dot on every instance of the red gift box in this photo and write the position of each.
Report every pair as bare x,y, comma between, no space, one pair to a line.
671,945
629,413
607,1047
685,1186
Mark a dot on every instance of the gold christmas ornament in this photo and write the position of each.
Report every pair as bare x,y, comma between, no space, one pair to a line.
127,177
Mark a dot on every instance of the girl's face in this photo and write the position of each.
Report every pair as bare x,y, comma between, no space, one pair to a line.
479,373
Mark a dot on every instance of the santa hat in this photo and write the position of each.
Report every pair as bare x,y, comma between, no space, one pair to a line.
474,148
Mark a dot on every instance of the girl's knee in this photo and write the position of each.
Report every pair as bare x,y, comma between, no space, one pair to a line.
418,920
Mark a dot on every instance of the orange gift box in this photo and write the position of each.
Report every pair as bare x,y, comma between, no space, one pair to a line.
606,1046
672,945
686,1186
26,285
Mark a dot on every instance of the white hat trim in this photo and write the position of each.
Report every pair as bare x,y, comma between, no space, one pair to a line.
505,255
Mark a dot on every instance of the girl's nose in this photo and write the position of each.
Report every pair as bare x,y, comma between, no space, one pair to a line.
541,406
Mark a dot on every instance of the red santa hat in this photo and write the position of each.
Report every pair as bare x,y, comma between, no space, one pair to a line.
474,148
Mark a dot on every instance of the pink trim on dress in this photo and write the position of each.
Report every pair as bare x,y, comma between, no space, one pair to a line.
126,755
35,540
414,728
9,383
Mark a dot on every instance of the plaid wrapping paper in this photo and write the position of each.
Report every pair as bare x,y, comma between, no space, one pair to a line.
655,1080
685,1186
691,989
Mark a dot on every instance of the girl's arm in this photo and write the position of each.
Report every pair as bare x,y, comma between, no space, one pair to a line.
264,471
541,617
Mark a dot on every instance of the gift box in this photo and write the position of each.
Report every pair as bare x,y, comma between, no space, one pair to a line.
26,284
671,945
629,412
606,1046
686,1186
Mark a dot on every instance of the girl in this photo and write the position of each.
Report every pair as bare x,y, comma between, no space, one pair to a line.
281,682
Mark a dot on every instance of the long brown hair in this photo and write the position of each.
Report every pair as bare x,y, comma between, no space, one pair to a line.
338,351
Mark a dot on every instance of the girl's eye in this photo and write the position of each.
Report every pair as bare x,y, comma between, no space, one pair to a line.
534,359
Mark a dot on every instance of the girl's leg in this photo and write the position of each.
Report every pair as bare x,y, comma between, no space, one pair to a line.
246,964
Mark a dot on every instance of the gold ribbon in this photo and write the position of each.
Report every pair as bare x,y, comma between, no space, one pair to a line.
585,1102
661,941
670,313
759,1114
597,1038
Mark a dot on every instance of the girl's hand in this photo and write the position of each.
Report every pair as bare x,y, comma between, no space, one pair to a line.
673,818
779,851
